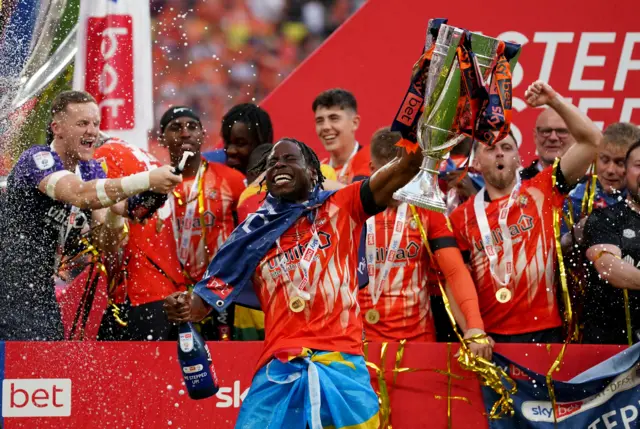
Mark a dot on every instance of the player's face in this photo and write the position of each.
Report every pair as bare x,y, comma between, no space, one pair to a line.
610,168
552,136
633,175
287,174
181,135
77,128
336,127
499,163
239,146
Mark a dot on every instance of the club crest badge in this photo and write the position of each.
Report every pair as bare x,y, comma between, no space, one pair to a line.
44,160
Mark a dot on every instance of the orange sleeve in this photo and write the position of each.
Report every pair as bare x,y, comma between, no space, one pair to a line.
114,161
458,224
459,279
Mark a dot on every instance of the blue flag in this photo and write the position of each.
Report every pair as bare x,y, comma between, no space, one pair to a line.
602,397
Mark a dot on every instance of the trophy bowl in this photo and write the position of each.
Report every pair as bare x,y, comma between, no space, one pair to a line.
437,129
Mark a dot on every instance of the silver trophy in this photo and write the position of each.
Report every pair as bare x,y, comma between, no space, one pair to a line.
436,132
31,58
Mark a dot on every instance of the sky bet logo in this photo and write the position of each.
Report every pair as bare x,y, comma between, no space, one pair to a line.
39,397
541,411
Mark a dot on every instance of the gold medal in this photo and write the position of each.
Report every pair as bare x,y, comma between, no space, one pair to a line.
372,316
296,304
503,295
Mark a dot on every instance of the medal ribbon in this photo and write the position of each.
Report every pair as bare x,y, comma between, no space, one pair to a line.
408,115
345,166
375,288
485,232
305,262
184,239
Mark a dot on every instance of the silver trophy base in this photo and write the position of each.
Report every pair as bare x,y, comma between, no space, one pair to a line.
423,190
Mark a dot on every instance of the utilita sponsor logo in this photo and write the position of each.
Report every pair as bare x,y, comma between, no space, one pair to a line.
40,397
541,411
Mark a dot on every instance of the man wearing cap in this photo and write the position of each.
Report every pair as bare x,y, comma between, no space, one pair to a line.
172,250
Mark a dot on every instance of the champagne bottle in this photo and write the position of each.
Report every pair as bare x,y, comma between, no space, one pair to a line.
142,206
195,361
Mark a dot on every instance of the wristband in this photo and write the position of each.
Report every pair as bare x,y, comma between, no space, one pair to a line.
113,220
132,185
53,180
102,193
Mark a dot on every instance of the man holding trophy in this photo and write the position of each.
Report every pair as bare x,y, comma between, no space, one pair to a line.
306,284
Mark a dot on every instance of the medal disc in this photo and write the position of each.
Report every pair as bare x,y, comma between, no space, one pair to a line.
503,295
372,316
296,304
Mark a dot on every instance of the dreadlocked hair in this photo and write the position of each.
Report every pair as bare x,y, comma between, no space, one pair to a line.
310,158
257,120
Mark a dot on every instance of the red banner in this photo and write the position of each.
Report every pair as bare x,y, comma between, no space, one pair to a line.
139,385
109,69
592,58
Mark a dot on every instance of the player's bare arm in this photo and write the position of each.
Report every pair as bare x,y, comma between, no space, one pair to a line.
576,161
606,259
394,175
95,194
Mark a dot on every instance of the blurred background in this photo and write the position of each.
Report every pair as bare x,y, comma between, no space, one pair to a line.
212,54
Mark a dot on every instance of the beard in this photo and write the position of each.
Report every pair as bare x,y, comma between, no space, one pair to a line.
500,179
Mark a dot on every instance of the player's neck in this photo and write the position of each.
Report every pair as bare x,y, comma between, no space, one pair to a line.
69,162
496,193
340,156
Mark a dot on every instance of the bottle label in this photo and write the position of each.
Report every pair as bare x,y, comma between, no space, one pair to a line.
186,342
200,377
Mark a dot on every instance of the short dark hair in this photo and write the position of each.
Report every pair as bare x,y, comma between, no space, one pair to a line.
336,97
255,118
62,101
383,144
633,147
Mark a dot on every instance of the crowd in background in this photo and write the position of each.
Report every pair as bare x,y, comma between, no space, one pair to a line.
214,54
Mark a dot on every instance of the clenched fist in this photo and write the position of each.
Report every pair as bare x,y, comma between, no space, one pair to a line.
539,93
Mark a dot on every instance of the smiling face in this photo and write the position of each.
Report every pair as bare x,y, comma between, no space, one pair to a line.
76,129
552,136
288,176
499,163
336,127
181,135
610,168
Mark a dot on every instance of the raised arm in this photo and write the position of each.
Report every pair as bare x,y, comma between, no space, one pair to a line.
95,194
394,175
576,160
